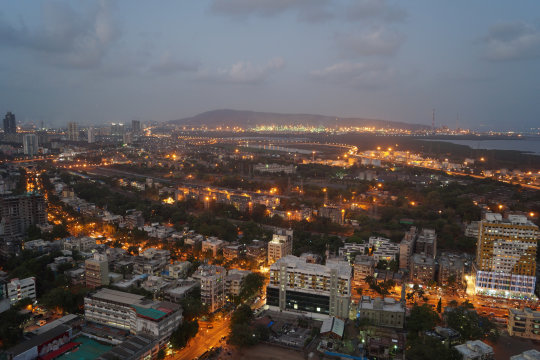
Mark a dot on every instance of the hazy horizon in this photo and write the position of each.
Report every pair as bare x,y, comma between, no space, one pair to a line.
103,62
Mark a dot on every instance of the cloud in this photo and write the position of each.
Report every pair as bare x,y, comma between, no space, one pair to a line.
375,42
243,72
512,41
167,65
307,10
66,38
361,10
357,74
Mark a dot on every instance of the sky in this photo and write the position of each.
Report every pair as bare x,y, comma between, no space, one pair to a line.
477,63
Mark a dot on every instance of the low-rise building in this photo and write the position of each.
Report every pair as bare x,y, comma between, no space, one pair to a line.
233,282
532,354
19,289
350,250
383,249
232,252
363,266
475,350
83,244
422,269
179,291
133,313
382,312
138,347
524,323
212,244
178,269
257,250
451,268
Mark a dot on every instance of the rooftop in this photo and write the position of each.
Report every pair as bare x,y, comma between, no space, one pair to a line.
299,264
117,296
474,348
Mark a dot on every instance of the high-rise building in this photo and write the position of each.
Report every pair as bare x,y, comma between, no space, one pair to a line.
321,290
10,125
406,247
117,129
73,131
19,212
136,126
506,256
91,135
96,271
426,243
212,279
280,245
30,144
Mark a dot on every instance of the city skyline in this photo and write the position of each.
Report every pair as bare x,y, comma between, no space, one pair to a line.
104,62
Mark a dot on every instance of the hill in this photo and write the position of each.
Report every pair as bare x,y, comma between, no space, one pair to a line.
250,119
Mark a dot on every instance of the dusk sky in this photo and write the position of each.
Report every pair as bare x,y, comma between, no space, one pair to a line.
98,62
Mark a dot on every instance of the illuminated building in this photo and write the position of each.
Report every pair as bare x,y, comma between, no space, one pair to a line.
317,290
506,256
280,245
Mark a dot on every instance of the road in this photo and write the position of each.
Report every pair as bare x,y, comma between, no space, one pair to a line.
204,339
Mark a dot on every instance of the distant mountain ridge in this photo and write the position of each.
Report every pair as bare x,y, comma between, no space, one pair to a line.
250,119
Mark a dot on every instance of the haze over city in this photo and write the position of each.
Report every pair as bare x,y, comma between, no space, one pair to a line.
102,62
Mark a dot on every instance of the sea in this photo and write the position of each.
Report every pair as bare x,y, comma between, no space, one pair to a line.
530,144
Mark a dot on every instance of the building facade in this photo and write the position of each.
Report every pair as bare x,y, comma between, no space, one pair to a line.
506,256
96,271
132,313
280,246
524,323
10,124
382,312
317,290
19,289
422,270
212,280
30,144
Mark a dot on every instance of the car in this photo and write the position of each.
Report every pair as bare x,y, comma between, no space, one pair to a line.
210,326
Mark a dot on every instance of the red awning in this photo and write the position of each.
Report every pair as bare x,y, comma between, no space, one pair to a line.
56,353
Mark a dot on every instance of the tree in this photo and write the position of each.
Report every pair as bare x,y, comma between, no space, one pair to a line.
242,315
161,354
422,318
185,331
251,284
425,348
439,306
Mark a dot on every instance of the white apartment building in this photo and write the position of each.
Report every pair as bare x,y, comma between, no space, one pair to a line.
18,289
383,249
475,350
212,279
133,313
212,244
352,249
233,282
280,246
316,290
84,244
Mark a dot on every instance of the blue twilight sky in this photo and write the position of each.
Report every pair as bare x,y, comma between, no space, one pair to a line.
97,62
